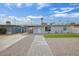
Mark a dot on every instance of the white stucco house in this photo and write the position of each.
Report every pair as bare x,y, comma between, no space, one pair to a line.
42,29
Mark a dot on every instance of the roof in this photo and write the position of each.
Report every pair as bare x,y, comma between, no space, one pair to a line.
44,25
9,25
76,25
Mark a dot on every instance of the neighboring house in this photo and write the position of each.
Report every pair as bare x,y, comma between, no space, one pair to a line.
11,29
75,28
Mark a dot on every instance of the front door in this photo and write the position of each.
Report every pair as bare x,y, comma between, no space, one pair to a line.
48,29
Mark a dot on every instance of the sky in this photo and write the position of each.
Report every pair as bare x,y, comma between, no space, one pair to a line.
60,13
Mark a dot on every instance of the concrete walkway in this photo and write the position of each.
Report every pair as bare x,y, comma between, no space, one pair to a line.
39,47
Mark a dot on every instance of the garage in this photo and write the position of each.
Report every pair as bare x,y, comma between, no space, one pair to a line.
2,30
37,30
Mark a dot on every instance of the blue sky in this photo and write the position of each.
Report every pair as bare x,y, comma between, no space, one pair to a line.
52,12
35,9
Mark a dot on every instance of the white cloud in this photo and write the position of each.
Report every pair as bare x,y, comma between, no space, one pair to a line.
28,19
75,14
68,9
60,15
64,10
34,16
2,15
29,4
66,15
19,5
8,5
41,5
57,11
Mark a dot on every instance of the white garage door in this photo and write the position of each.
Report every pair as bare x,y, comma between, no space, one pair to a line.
37,30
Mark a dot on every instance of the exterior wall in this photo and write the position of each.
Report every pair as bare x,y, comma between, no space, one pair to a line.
69,30
9,30
17,29
24,29
60,29
38,30
75,30
54,29
14,30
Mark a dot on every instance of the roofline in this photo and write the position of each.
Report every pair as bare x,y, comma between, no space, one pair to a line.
49,25
37,25
10,25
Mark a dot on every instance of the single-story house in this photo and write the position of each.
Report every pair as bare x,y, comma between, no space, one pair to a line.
39,29
12,29
42,29
75,28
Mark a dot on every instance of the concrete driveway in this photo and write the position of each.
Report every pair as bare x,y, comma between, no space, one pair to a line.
33,45
17,45
8,40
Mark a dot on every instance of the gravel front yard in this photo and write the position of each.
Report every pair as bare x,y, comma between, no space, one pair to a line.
64,46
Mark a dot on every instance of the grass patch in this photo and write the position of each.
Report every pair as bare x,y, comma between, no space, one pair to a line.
61,35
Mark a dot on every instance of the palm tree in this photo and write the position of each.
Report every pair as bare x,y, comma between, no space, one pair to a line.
42,21
41,24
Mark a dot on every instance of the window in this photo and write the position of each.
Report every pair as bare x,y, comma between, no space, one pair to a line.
64,28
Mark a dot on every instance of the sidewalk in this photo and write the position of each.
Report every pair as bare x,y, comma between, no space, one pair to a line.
39,47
